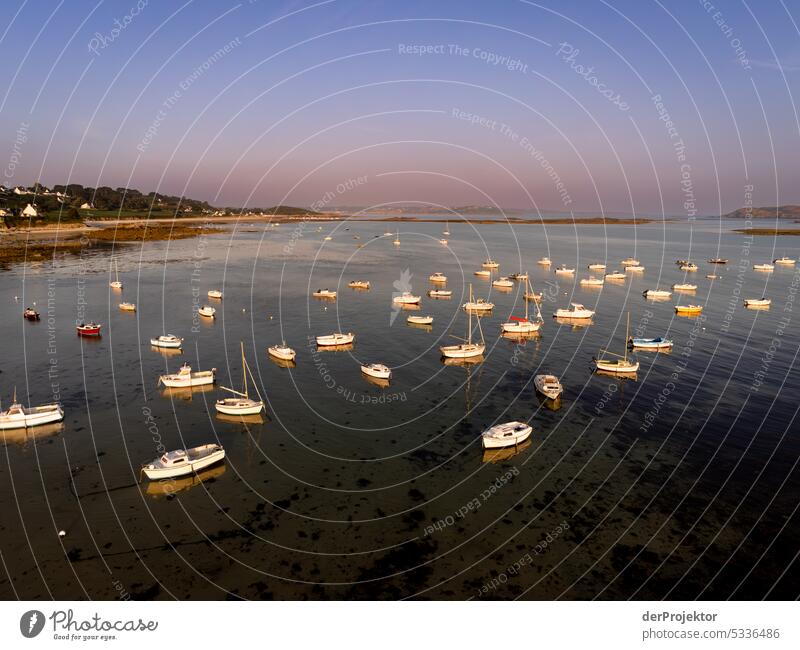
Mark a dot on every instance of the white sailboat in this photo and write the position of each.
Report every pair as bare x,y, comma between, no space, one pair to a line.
524,325
621,365
115,283
242,404
467,349
446,230
396,242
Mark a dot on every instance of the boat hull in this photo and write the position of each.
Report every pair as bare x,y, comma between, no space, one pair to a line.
155,472
236,407
516,438
465,351
282,354
38,417
521,328
614,367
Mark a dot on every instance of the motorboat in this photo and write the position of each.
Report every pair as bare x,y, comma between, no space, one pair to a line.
420,320
327,238
684,287
127,306
358,284
22,417
616,275
712,276
88,329
467,349
596,267
241,403
396,242
784,261
689,266
630,261
207,311
656,293
443,242
337,338
532,295
548,385
166,341
282,351
545,261
377,370
757,302
658,343
185,378
30,314
477,304
763,267
440,293
522,275
563,270
438,277
490,264
508,434
483,274
406,298
503,283
183,461
717,260
215,293
621,365
592,282
687,310
324,293
518,325
634,267
576,311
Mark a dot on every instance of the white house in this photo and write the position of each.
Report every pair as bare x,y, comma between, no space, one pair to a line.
30,211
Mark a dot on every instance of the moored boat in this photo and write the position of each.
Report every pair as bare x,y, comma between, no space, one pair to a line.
596,267
186,378
684,286
282,351
358,284
545,261
215,293
337,338
657,343
88,329
437,277
241,403
718,260
440,293
166,341
483,274
616,275
565,270
757,302
689,266
183,461
591,281
763,267
656,293
685,310
207,311
127,306
621,365
508,434
466,349
634,267
519,325
30,314
324,293
22,417
420,320
503,283
522,275
576,311
377,370
490,264
548,385
406,298
784,261
629,261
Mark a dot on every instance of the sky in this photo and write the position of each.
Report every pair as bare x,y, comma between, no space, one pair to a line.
682,108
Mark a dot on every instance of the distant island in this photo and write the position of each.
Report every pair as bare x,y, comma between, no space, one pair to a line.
781,211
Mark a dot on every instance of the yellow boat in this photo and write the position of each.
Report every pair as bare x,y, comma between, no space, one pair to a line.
688,309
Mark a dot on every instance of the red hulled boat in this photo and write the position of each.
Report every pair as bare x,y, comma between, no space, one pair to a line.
88,329
30,314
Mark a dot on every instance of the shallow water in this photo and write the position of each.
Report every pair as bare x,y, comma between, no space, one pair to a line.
680,483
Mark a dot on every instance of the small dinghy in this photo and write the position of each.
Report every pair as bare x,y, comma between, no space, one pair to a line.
183,461
30,314
185,378
242,403
88,329
337,338
358,284
548,385
690,266
21,417
377,370
437,277
763,267
483,274
324,293
658,343
440,293
127,306
656,293
406,298
508,434
757,302
490,264
563,270
592,282
215,293
685,287
166,341
616,275
420,320
784,261
478,304
328,238
282,351
712,276
545,261
443,242
576,311
596,267
688,310
503,283
207,311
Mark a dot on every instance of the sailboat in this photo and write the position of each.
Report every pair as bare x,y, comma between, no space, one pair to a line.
115,283
397,239
467,349
524,325
446,230
241,404
621,365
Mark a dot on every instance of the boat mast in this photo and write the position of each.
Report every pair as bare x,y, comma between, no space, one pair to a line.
627,329
244,372
469,316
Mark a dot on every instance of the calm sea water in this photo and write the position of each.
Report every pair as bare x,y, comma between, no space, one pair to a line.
680,483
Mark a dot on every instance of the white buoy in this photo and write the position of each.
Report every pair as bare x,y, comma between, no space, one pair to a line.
62,533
